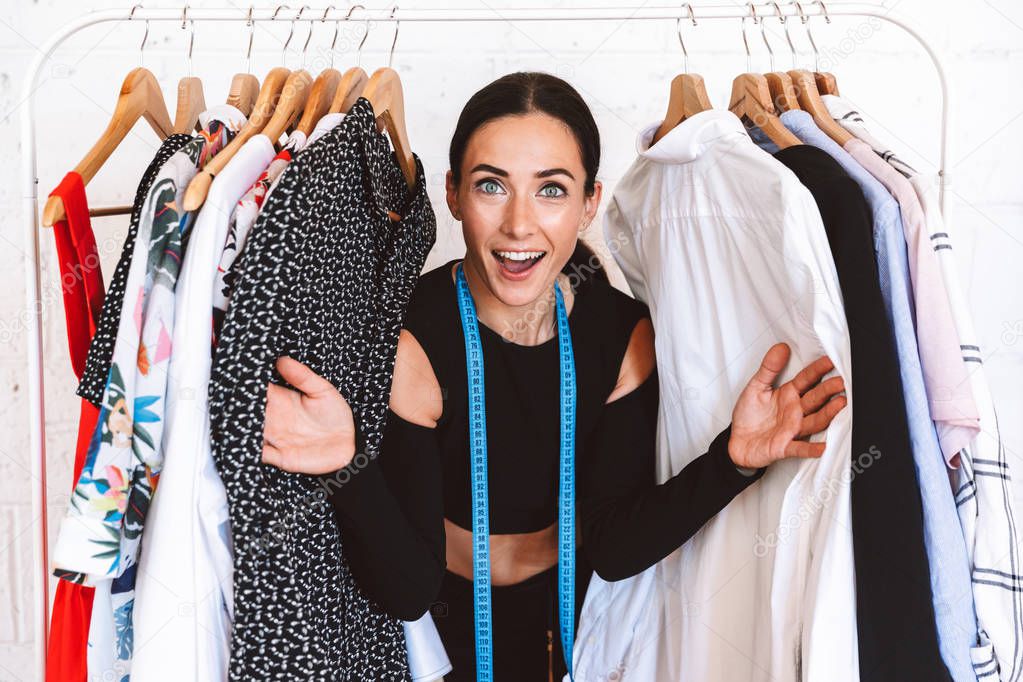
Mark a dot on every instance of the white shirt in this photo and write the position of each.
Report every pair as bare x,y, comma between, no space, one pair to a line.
427,657
326,123
183,604
728,249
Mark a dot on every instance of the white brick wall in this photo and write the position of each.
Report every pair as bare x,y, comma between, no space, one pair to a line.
622,71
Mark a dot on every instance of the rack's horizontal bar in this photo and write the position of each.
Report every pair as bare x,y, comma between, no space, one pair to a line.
662,12
103,211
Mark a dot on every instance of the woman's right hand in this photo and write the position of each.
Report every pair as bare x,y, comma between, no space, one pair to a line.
309,430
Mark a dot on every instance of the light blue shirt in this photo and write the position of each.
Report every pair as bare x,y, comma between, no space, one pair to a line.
951,588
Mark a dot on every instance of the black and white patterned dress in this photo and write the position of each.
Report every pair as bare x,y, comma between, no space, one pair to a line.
325,278
101,349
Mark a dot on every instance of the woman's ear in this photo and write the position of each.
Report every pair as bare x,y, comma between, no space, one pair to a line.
591,204
451,193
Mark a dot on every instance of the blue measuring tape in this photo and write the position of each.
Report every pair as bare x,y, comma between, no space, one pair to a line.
478,472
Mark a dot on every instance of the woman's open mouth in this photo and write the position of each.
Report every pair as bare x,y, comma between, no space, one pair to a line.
517,265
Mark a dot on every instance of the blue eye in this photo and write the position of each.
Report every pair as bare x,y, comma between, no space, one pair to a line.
559,191
489,186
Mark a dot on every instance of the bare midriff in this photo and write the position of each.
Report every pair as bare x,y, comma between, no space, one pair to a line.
514,557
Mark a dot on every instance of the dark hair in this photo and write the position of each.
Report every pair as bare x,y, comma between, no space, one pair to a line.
521,93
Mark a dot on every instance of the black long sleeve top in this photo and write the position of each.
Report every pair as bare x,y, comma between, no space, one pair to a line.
391,508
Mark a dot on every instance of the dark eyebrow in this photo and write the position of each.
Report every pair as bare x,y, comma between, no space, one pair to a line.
554,171
503,173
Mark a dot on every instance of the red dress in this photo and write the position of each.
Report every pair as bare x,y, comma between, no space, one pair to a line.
82,287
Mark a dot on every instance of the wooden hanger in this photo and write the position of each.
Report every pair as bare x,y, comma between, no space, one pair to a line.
321,96
810,102
289,107
823,83
140,97
751,101
751,96
353,84
826,83
262,111
191,103
687,95
243,93
384,93
783,92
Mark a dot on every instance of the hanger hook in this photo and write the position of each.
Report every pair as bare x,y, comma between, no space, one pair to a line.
308,37
337,25
191,37
745,44
799,8
827,20
824,10
813,44
291,33
785,25
252,34
142,47
809,34
397,23
358,54
323,20
678,27
767,44
745,41
802,20
274,18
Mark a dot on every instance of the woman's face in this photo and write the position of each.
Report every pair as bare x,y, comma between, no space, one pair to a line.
521,204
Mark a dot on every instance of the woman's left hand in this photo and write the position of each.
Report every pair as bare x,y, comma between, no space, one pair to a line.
771,423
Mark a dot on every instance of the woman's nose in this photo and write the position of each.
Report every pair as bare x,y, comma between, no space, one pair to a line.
520,219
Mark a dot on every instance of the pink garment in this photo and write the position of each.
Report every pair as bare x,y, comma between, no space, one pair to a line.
946,378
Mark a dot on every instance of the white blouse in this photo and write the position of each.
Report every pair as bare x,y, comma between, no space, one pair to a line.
728,249
183,598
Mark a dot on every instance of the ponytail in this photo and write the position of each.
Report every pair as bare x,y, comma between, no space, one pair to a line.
584,266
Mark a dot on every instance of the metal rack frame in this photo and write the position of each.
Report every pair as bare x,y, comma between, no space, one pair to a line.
29,181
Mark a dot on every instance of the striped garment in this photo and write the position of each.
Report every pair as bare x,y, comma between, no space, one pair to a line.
983,487
850,119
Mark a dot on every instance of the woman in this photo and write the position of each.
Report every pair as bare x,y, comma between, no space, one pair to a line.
524,160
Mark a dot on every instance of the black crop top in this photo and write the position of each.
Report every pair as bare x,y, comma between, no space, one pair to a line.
392,511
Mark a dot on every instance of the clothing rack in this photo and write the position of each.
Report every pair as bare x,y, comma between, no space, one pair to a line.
814,11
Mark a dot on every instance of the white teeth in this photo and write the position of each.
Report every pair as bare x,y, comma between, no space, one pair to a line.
519,255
